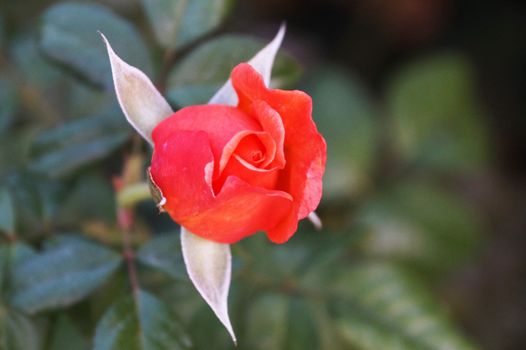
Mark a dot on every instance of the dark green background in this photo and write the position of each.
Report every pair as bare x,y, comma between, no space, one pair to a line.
422,103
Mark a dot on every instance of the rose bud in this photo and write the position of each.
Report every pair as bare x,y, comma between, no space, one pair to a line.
226,172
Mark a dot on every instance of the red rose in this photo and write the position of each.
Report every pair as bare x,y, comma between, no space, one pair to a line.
227,172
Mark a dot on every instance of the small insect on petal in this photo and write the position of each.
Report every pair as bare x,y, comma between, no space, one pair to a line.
141,103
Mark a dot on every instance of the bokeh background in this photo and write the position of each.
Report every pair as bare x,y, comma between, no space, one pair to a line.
423,106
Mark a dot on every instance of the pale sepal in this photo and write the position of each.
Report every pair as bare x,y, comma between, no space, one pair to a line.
141,103
262,62
315,220
209,265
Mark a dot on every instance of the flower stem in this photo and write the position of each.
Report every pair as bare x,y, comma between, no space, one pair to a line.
132,194
168,61
129,255
127,250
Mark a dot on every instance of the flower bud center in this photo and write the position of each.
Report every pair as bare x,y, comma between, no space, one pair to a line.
252,150
257,157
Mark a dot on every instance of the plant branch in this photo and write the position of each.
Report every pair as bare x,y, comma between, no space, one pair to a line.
168,61
127,250
129,192
132,194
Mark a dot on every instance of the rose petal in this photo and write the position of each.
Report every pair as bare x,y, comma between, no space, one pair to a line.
209,266
178,167
262,63
232,164
307,152
254,149
273,140
239,210
244,171
271,122
142,104
241,144
220,123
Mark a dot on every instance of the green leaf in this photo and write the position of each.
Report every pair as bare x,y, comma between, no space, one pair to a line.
64,273
67,336
54,92
10,255
7,104
344,114
164,253
90,199
2,30
109,293
19,332
283,262
34,68
277,321
420,224
35,197
14,150
201,73
262,62
143,323
69,37
178,22
435,114
19,253
62,150
380,307
266,322
4,263
7,212
205,330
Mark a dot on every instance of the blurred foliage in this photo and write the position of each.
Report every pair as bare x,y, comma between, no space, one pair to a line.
179,22
140,322
420,225
66,36
196,78
344,114
394,229
61,275
436,118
